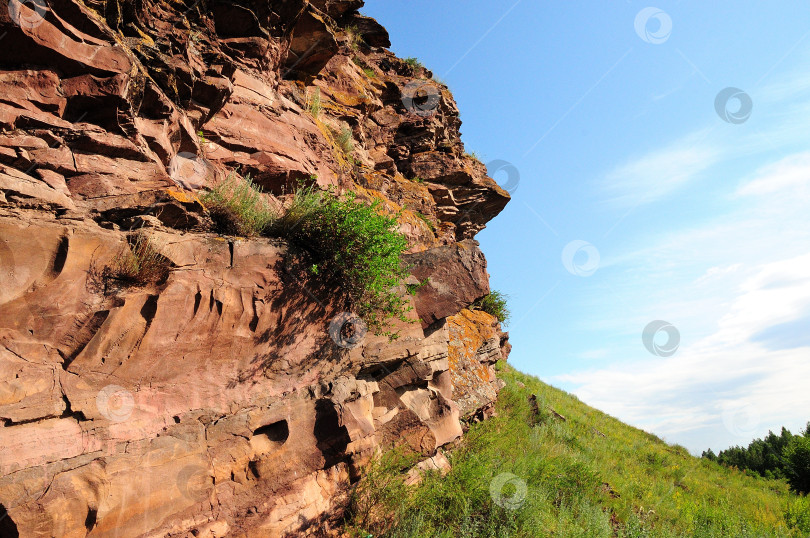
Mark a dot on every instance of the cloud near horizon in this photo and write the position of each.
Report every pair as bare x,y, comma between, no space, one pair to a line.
743,366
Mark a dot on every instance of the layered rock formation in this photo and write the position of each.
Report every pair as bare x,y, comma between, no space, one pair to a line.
222,399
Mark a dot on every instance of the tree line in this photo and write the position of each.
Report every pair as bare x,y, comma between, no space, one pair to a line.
784,456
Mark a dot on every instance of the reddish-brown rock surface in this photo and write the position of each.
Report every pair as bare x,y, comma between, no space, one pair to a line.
215,402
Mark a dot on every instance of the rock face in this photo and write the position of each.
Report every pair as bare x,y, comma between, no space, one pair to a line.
216,401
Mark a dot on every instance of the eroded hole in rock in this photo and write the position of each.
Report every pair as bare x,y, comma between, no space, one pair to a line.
8,529
269,438
277,432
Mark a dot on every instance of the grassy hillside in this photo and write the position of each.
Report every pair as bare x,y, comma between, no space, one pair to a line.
534,474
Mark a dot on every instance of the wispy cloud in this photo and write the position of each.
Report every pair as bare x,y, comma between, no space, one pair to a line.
655,175
790,176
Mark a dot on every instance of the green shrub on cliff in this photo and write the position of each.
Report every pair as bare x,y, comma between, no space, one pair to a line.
494,303
352,244
414,63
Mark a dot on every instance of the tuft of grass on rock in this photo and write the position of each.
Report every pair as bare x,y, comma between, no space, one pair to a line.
353,37
344,141
314,102
140,262
494,303
426,220
414,63
238,207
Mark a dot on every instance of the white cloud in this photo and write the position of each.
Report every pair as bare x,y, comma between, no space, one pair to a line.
653,176
715,382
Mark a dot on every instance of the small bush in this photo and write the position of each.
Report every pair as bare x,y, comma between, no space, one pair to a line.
237,207
352,243
414,63
353,37
495,304
140,263
797,514
369,72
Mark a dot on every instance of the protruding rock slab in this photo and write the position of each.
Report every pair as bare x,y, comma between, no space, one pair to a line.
451,278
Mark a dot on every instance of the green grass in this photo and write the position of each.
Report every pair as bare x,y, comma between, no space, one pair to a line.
426,220
314,102
237,207
588,475
414,63
494,303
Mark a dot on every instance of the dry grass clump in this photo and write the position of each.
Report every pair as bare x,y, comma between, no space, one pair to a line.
237,207
140,263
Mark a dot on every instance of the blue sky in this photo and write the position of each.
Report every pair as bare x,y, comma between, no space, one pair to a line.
643,197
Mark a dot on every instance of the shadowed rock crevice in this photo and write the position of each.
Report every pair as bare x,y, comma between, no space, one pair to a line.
8,529
332,437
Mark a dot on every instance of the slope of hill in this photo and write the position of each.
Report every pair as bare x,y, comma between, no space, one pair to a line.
553,466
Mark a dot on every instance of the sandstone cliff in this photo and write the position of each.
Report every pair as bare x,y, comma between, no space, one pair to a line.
215,401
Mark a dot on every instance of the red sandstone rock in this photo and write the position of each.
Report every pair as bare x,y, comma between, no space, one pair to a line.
214,402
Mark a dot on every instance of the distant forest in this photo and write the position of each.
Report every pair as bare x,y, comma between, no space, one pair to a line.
784,456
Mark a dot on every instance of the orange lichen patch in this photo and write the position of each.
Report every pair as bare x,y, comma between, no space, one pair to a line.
408,193
338,154
350,100
184,197
370,194
469,329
